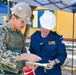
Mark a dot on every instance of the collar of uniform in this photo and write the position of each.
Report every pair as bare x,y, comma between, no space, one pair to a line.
8,26
10,29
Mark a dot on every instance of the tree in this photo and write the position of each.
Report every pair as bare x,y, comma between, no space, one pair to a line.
4,1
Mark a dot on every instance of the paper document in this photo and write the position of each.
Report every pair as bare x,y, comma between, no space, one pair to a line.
37,64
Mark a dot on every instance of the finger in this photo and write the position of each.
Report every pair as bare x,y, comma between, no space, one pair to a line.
47,68
49,61
48,65
39,58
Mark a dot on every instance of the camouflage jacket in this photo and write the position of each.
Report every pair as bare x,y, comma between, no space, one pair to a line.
9,53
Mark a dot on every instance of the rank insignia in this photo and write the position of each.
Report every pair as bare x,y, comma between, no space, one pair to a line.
51,43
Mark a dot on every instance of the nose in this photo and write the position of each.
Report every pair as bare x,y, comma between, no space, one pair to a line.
45,30
24,24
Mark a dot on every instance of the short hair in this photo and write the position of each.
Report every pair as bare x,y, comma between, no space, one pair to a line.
16,16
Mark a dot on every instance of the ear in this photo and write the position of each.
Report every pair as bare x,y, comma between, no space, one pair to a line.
13,17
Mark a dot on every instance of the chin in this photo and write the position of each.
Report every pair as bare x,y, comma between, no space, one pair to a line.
44,36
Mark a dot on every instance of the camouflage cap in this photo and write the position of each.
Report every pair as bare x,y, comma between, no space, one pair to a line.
23,11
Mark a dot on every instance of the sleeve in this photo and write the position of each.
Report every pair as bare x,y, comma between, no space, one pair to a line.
31,49
32,41
8,59
62,54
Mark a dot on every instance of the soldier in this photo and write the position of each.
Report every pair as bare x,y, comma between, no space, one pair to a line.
49,46
12,41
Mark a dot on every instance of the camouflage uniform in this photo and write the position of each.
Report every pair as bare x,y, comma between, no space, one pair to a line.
10,49
9,53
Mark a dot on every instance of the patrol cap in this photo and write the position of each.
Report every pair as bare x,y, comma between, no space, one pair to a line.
23,11
48,20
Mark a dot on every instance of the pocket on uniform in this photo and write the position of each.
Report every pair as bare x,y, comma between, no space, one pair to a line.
20,65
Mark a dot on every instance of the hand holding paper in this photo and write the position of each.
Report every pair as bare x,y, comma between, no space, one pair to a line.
50,65
40,64
30,57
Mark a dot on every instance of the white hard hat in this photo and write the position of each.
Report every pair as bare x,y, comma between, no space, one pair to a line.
48,20
23,11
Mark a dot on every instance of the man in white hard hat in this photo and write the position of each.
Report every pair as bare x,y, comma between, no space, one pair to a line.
49,46
12,41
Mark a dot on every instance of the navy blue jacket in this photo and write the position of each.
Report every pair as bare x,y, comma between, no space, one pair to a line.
49,48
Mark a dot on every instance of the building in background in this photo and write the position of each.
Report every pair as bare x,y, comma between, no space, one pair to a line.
64,23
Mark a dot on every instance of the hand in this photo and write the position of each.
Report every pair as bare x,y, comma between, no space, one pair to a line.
31,66
50,65
30,57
